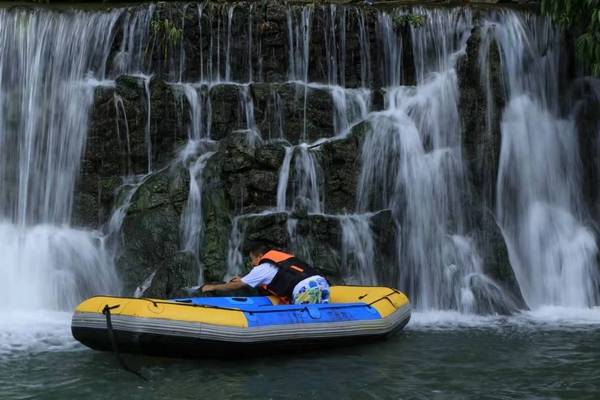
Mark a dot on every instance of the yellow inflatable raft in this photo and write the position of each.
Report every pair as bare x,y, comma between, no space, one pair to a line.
222,326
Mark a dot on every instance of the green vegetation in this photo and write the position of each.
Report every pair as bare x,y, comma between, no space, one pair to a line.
582,17
414,20
167,33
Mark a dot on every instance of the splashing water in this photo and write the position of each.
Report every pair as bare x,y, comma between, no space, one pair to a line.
43,66
49,267
539,202
50,65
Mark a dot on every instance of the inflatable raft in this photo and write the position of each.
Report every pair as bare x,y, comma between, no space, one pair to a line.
224,326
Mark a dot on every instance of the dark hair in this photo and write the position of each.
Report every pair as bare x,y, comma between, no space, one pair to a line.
257,247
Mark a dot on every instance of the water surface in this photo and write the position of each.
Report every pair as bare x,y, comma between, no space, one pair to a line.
438,356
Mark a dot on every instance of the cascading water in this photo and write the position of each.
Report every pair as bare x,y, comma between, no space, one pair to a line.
43,66
392,50
121,115
539,203
350,106
412,163
147,133
284,176
195,155
305,189
235,258
414,203
412,160
135,26
358,250
50,65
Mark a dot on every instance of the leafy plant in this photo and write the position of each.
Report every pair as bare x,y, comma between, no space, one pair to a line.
167,33
582,17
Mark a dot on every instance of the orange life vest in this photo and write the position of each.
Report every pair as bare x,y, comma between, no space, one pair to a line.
290,272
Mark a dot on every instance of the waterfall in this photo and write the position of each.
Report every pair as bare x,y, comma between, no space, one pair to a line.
412,163
358,250
235,257
221,57
335,44
539,203
47,97
365,52
284,176
49,65
194,155
277,109
228,46
299,50
299,27
147,132
411,159
113,228
392,50
121,115
250,42
350,106
131,56
248,108
51,267
434,45
191,219
305,187
298,244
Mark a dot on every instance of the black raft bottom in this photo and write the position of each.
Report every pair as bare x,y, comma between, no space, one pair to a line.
186,347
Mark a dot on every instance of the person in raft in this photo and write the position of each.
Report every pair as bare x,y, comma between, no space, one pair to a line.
281,274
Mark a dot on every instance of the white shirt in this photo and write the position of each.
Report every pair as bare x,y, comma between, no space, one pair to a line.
262,274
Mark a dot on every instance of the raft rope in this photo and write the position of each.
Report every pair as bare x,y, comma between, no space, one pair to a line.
113,341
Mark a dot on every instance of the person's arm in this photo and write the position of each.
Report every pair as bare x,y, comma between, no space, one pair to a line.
234,284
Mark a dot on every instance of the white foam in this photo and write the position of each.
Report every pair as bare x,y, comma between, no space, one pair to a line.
34,332
548,317
564,317
434,320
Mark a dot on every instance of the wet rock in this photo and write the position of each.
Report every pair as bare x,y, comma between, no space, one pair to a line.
482,145
227,112
240,178
587,93
117,143
270,156
151,237
317,239
249,174
496,260
480,141
295,112
269,228
217,214
340,159
167,122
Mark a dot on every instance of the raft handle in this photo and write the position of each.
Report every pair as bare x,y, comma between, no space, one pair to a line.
385,297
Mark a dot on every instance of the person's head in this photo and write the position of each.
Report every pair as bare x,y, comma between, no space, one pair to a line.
256,250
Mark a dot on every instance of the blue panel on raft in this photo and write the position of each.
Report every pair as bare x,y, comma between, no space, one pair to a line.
229,302
259,311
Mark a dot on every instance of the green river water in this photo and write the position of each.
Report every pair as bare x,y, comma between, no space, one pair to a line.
438,356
